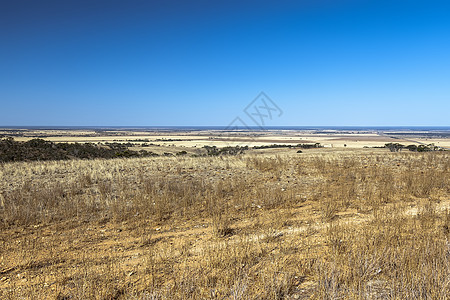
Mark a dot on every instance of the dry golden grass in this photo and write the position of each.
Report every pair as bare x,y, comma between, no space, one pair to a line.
317,225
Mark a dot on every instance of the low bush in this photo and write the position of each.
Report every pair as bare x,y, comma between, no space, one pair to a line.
39,149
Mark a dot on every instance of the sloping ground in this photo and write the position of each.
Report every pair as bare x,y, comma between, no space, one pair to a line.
322,226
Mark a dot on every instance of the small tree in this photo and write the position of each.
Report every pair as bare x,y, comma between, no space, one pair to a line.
394,147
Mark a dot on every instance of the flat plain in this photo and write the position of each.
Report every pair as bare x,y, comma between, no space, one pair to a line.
346,221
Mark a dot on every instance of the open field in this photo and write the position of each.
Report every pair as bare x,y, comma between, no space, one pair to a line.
224,150
173,140
329,223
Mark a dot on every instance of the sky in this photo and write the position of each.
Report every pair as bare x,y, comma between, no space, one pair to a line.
201,63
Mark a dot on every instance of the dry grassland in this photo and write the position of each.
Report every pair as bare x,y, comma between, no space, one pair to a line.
318,225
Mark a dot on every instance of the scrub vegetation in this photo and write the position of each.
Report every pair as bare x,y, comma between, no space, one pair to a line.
371,224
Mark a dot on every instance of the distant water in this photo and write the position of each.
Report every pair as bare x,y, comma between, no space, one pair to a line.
199,128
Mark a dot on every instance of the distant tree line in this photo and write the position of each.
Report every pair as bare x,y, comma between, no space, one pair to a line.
302,146
234,150
214,151
396,147
39,149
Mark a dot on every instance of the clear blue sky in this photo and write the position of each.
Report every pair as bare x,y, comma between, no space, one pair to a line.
146,63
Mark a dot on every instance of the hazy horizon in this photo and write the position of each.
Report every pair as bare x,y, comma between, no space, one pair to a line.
227,128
